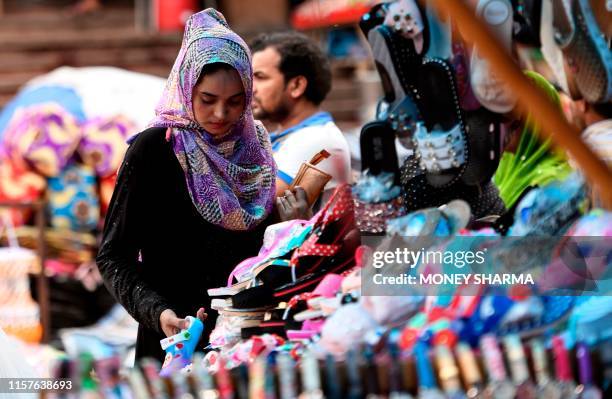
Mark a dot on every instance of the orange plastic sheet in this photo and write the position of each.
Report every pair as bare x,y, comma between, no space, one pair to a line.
321,13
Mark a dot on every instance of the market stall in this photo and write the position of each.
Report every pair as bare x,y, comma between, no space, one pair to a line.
62,140
478,265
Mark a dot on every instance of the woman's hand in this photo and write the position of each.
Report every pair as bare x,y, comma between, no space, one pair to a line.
293,206
171,324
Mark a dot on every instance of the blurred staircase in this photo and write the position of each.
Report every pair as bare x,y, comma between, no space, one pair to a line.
39,36
344,101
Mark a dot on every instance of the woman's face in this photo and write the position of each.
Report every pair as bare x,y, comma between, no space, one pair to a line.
218,101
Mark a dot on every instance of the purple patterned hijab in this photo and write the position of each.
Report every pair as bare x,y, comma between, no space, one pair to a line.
231,180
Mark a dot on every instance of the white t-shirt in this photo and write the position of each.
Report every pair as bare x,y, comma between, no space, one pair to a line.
300,146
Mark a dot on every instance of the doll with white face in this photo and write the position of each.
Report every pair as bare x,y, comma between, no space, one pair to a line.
405,18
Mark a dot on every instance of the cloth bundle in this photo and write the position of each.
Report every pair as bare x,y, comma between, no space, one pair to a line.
46,147
73,199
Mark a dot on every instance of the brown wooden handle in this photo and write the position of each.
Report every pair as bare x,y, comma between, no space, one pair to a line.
319,156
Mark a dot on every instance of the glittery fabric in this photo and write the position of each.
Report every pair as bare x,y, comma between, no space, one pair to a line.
231,180
377,199
372,218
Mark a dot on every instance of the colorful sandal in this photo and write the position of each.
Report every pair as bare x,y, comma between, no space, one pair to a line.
322,252
279,241
528,15
373,18
394,49
341,261
440,142
327,288
483,129
493,93
333,223
378,153
180,347
584,48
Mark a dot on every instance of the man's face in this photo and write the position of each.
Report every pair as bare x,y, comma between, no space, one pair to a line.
271,100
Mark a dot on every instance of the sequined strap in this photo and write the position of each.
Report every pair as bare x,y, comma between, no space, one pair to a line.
439,150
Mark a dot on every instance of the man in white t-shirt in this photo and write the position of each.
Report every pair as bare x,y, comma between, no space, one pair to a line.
292,77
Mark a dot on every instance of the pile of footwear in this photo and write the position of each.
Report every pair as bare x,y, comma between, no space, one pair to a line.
301,260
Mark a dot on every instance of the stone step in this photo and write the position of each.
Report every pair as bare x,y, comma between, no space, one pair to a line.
23,61
343,109
344,88
11,82
46,20
89,39
119,56
37,41
4,99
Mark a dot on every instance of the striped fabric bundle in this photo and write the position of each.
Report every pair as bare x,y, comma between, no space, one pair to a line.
44,136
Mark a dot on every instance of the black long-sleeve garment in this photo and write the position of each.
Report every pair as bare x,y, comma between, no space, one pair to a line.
181,254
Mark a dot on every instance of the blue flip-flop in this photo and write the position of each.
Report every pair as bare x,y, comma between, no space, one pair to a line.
585,48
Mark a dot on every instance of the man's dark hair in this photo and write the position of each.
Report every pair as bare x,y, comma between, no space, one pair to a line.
603,109
299,56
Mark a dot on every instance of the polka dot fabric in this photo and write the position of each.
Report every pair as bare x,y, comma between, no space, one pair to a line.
340,212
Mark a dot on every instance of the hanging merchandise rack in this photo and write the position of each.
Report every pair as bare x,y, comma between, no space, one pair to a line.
529,97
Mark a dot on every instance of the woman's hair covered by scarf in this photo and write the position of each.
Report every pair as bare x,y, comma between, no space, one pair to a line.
231,179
